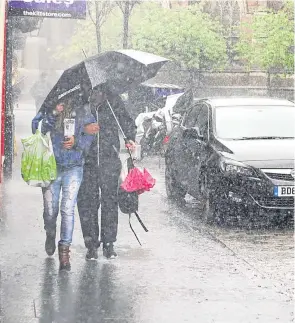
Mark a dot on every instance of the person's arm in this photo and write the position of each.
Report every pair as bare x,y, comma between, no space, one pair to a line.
91,126
48,118
48,123
83,140
35,122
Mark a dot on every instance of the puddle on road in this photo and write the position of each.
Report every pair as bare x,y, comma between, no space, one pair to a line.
268,249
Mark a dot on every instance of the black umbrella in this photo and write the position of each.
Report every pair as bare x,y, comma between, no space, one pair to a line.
118,70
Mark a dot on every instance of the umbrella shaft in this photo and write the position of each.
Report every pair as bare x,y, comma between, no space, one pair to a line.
121,130
97,139
117,121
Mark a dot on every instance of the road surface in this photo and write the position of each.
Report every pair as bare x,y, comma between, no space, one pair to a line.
186,271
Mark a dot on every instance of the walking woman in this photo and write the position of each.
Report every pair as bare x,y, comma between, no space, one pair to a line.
69,154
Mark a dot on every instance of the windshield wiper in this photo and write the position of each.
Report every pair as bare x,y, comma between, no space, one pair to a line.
263,138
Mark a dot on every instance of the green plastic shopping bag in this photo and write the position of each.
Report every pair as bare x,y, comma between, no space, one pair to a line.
38,166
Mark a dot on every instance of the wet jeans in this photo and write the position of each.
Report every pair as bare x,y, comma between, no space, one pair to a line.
68,182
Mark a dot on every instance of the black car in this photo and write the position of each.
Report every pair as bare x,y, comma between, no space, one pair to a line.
235,153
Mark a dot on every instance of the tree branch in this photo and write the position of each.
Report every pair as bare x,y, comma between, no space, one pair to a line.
106,9
131,5
89,12
103,9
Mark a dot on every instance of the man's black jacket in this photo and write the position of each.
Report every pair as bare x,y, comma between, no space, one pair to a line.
109,142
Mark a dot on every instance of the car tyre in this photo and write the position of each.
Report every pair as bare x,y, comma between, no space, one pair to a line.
175,192
211,210
209,215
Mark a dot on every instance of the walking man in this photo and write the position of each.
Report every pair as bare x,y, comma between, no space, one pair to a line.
101,173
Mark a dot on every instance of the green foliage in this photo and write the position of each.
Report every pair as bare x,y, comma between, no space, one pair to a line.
267,41
186,35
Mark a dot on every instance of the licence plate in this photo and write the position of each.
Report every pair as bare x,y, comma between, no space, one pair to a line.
284,191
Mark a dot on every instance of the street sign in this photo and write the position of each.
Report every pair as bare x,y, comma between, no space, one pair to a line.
69,9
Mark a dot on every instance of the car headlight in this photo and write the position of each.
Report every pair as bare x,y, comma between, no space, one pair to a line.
234,167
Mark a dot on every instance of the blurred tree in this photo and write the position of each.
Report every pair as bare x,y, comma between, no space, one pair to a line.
126,7
98,13
268,41
186,35
90,34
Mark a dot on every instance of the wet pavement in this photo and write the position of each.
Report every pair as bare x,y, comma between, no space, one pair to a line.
185,271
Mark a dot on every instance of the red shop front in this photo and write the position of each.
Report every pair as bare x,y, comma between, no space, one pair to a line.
3,15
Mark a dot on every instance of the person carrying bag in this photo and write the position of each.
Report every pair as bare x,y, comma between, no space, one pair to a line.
70,144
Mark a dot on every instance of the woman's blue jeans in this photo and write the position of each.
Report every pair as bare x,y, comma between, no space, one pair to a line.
68,182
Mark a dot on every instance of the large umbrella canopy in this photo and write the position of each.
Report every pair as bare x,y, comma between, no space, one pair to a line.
118,70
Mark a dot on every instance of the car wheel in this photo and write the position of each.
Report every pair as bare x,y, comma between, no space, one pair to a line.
208,213
174,190
212,211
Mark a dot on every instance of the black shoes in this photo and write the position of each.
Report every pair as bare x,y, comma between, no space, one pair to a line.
108,250
50,244
92,254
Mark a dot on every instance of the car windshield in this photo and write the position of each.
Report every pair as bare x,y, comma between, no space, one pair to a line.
265,122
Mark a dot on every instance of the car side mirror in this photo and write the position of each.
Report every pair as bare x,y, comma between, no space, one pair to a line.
193,133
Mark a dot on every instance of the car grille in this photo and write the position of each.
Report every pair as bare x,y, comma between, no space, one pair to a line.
278,176
276,202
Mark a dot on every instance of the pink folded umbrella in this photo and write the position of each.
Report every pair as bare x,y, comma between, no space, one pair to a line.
137,181
149,180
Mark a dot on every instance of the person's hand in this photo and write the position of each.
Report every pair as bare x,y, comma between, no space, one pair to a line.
35,122
69,143
130,145
91,129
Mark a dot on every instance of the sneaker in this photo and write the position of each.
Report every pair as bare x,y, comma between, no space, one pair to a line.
91,254
50,244
108,251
